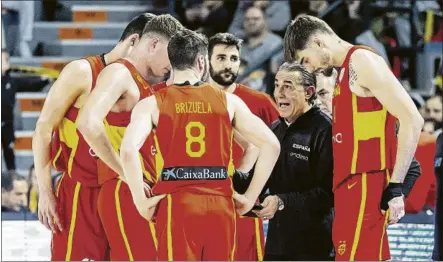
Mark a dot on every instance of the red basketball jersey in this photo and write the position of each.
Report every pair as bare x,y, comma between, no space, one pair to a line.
194,133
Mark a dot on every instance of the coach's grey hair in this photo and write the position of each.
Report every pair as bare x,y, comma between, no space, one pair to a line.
306,79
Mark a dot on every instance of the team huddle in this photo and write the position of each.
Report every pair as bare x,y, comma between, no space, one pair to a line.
155,141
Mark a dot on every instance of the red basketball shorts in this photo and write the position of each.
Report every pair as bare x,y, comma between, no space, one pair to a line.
359,228
195,227
83,236
130,236
250,239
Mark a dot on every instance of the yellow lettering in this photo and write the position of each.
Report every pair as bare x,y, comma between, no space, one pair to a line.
183,109
177,108
209,108
199,108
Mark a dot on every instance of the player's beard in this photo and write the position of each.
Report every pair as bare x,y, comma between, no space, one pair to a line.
217,77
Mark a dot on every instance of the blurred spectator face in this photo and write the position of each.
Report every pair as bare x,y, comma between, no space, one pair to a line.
225,63
5,62
433,109
261,4
16,198
318,6
290,94
254,22
325,88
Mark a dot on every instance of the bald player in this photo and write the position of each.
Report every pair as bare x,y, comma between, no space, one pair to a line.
71,211
372,162
194,123
103,121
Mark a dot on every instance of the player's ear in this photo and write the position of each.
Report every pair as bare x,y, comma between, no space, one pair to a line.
132,40
201,63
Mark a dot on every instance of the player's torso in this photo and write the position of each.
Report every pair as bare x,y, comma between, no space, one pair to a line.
70,152
194,134
256,102
119,118
364,133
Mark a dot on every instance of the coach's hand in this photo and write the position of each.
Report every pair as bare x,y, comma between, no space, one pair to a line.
146,206
47,211
392,199
242,203
270,206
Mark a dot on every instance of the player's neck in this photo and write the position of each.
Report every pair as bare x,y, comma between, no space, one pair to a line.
340,49
230,88
141,64
182,76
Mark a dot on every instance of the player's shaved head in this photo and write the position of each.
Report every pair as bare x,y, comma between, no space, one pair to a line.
299,33
163,25
185,47
137,25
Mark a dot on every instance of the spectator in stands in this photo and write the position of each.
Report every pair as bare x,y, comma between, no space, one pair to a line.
277,13
25,10
433,112
14,190
258,48
8,103
33,190
438,234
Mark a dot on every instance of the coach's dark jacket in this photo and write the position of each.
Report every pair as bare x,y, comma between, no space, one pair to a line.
302,178
438,234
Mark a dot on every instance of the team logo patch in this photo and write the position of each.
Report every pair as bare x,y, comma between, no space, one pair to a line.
194,173
342,248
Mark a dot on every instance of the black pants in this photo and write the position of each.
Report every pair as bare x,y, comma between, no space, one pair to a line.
8,139
300,257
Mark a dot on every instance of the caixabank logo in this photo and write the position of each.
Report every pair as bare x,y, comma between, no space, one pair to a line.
194,173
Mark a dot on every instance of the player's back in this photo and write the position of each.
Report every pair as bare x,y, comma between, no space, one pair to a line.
195,138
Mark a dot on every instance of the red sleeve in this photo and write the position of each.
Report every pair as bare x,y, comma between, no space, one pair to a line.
268,111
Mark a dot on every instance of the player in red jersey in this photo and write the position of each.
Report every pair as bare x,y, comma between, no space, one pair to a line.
70,212
370,167
224,57
103,121
193,124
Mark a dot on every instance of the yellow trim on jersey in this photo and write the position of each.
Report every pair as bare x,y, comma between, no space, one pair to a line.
388,178
120,220
169,229
234,246
145,172
368,125
73,218
68,135
258,239
115,134
159,161
360,216
154,234
231,160
58,185
429,26
59,152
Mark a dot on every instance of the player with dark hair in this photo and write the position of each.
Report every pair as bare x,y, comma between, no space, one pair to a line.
224,56
103,121
371,164
196,221
71,211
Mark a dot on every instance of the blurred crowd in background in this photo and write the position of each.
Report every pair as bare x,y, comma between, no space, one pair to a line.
386,26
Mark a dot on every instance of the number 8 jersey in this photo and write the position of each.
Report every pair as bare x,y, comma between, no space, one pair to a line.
195,135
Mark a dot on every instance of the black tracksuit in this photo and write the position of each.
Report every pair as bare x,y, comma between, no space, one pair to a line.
302,178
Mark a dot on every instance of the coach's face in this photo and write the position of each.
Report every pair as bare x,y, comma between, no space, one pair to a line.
290,95
224,64
325,88
315,57
16,198
159,64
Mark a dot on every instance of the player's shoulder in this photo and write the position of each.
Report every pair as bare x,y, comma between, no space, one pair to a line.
364,55
79,66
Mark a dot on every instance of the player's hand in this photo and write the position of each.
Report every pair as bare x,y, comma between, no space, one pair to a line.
146,206
148,190
47,211
242,203
396,210
270,206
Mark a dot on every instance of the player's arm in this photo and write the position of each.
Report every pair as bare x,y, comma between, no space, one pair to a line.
74,80
387,89
111,84
250,153
254,130
135,136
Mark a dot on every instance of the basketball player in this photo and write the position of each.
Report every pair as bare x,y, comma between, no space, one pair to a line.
193,125
103,121
71,213
224,57
370,167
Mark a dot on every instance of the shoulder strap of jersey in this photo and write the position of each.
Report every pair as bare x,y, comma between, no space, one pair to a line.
139,80
97,65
